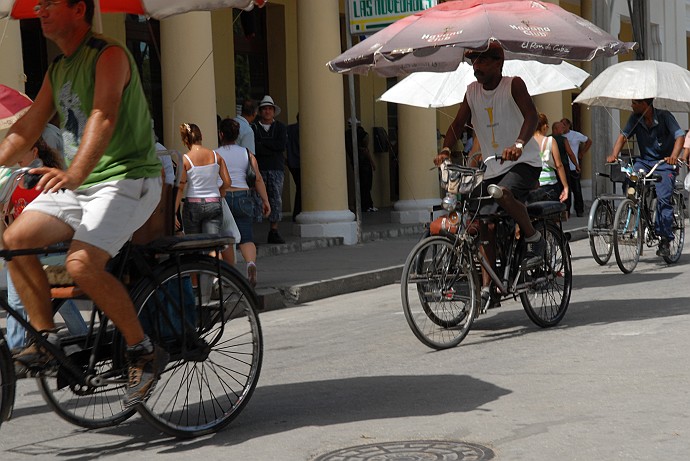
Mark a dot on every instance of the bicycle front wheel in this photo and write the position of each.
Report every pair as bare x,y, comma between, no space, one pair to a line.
601,230
676,245
440,292
214,340
7,381
550,284
627,236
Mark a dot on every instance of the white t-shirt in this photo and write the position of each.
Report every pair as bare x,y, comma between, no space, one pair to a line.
497,121
575,138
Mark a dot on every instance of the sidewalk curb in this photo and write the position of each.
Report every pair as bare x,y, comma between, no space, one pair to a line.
289,296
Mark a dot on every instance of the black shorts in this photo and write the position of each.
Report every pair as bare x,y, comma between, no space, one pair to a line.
521,179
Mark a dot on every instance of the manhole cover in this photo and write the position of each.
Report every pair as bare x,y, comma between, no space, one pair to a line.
421,450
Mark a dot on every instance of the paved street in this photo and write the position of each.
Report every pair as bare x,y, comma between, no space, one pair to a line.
611,382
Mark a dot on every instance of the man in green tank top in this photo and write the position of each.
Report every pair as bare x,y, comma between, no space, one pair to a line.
110,188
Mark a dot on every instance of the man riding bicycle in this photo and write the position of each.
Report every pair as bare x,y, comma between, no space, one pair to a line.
657,133
110,188
504,119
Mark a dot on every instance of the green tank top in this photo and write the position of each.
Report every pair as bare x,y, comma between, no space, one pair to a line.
131,153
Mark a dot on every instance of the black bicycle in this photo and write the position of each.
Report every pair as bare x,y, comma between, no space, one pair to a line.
440,284
201,310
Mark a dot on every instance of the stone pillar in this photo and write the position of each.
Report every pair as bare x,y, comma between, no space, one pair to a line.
188,77
419,187
322,137
12,69
224,62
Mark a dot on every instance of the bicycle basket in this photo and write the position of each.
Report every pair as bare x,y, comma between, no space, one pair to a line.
458,179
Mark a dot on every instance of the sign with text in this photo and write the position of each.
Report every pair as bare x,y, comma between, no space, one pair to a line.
367,16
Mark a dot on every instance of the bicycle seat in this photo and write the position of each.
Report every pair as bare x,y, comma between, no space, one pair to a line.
545,208
189,242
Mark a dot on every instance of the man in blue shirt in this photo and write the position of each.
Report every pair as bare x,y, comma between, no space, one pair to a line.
659,137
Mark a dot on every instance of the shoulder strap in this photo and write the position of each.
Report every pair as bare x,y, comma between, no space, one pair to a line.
189,160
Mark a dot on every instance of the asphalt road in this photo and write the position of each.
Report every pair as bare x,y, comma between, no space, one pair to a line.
611,382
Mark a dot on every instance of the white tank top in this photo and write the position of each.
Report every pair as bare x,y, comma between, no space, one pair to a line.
236,160
497,121
202,181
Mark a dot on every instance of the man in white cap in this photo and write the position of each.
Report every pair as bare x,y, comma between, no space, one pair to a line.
270,137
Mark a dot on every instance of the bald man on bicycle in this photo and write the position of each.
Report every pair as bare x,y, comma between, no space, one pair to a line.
504,119
110,188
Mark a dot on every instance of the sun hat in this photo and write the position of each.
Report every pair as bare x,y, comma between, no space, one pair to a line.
494,51
268,101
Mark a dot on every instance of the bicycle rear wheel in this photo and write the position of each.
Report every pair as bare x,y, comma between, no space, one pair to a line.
214,341
627,235
548,297
676,245
440,292
91,407
601,230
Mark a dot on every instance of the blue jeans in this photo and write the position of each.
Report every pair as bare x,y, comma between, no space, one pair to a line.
664,190
16,335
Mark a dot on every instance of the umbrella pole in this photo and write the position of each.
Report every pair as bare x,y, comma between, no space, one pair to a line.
353,130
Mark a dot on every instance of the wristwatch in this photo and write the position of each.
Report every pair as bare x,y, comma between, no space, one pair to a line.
518,145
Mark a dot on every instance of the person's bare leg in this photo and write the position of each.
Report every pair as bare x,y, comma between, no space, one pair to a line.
248,251
488,234
86,264
518,211
34,230
228,255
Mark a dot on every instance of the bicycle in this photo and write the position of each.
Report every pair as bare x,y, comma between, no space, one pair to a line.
440,283
601,216
201,310
634,222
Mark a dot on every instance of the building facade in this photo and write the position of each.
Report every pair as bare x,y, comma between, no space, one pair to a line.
198,66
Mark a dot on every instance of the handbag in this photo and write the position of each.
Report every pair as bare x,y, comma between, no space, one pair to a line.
250,174
546,154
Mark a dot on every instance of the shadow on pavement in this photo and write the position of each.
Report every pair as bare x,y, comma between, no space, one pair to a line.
285,407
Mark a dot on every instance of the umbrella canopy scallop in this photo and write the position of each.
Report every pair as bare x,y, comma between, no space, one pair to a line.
13,105
433,40
159,9
618,85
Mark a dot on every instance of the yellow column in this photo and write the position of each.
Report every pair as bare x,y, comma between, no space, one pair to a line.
322,136
551,104
188,77
419,189
224,62
12,69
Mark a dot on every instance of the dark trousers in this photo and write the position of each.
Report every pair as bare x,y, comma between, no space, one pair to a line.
366,181
297,177
576,191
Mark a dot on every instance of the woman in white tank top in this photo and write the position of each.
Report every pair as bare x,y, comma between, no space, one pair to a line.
202,212
240,197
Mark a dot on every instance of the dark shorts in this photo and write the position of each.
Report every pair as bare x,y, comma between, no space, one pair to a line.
521,179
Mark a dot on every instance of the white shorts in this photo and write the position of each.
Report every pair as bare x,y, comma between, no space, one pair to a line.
105,215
